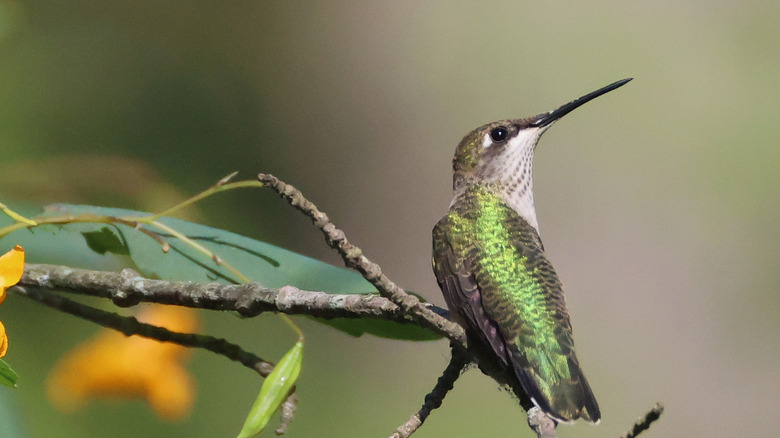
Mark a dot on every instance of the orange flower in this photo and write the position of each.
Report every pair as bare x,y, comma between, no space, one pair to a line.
114,366
11,269
3,340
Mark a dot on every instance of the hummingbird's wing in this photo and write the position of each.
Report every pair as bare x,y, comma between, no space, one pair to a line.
496,279
462,295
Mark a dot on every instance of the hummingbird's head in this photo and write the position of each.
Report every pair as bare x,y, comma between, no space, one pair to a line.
502,152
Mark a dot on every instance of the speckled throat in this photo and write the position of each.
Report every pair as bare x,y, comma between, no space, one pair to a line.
509,172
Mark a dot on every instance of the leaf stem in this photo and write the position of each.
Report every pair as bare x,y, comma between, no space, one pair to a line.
16,216
294,326
55,220
197,246
221,186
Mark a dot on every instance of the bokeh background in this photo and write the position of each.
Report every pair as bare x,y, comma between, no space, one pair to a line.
658,203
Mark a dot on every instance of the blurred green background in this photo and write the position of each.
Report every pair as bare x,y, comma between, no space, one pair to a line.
658,203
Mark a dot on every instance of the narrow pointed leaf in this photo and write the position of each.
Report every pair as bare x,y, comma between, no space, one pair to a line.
8,376
276,388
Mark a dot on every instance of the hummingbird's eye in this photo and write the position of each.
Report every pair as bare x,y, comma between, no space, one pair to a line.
499,134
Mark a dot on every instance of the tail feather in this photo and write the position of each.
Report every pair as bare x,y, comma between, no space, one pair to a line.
567,400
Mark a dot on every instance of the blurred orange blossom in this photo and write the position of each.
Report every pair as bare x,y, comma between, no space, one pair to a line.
112,365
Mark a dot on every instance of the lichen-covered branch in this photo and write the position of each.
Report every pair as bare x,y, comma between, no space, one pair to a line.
128,288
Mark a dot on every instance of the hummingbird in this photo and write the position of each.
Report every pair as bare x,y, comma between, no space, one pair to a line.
491,266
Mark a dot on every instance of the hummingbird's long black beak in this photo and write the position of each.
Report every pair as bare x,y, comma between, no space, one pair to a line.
546,119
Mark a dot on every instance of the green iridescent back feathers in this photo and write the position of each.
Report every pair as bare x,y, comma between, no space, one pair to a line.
498,282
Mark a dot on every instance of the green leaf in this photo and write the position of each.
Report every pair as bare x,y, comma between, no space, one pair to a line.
8,376
275,390
381,328
104,241
261,262
264,263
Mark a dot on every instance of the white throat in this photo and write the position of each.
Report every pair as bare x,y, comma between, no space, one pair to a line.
512,169
523,204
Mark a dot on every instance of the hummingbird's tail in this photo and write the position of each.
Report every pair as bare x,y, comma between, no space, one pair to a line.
565,400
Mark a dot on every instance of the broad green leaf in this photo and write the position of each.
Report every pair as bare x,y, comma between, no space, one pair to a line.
8,376
105,246
274,391
261,262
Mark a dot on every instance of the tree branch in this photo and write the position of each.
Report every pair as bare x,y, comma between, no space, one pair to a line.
128,288
353,257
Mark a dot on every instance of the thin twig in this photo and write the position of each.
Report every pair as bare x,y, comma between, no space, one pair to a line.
644,423
353,257
222,185
130,326
434,399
